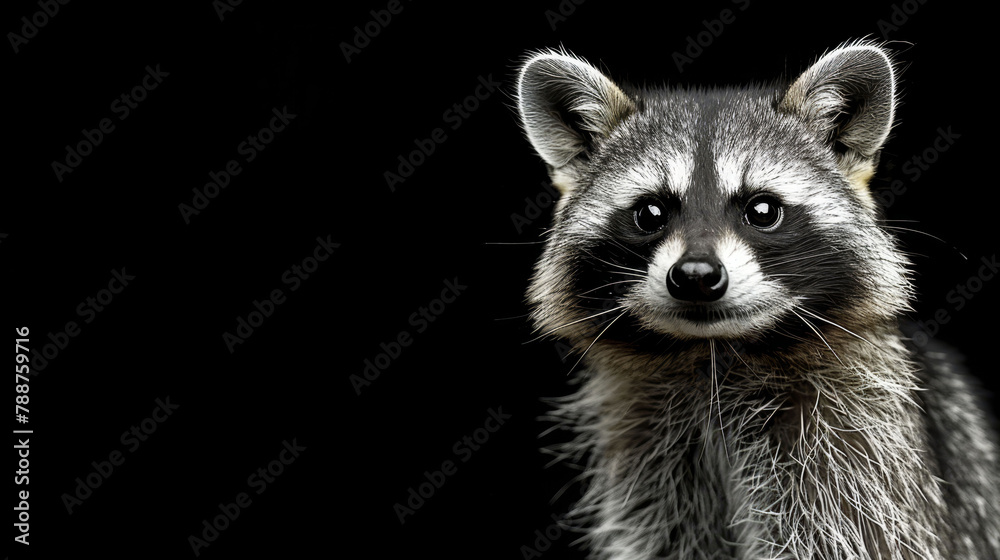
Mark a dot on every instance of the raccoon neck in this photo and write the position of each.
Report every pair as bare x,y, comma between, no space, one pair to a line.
812,457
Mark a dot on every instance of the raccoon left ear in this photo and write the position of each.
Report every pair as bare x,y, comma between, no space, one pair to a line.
567,106
848,96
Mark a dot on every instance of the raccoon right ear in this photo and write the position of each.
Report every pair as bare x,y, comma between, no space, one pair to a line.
566,107
848,97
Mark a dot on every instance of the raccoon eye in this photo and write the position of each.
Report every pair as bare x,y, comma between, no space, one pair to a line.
764,212
650,216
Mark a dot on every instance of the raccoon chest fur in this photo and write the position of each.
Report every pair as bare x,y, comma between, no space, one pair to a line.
747,461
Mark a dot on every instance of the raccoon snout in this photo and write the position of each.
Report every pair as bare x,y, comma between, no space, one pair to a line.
697,278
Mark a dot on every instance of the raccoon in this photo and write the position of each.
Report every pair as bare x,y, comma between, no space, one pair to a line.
747,386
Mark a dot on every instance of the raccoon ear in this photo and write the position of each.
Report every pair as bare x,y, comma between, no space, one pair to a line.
849,97
566,106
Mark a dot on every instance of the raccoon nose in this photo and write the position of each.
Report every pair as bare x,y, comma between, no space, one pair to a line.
697,278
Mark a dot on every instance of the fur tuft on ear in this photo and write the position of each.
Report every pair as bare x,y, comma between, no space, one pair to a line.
848,97
566,107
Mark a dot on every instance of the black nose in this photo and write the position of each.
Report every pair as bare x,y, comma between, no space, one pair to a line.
697,278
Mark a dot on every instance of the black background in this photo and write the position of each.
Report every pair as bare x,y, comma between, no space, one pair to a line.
324,176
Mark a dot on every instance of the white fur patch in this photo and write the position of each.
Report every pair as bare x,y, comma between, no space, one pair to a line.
729,169
670,172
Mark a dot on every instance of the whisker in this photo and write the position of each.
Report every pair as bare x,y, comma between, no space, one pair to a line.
740,358
611,284
824,249
595,341
825,320
615,265
629,249
640,276
718,398
934,237
804,256
522,316
563,326
820,335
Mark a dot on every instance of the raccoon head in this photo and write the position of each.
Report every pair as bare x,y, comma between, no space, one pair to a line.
735,213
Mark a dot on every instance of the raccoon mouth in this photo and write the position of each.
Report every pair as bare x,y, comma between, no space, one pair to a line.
710,321
704,314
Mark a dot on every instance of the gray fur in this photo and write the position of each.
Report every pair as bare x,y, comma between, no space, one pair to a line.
701,439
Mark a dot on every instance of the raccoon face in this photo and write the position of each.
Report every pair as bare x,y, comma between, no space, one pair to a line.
740,214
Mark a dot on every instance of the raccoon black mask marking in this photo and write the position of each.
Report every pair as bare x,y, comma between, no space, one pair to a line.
718,260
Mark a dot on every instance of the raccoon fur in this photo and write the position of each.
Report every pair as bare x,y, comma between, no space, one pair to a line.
746,388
